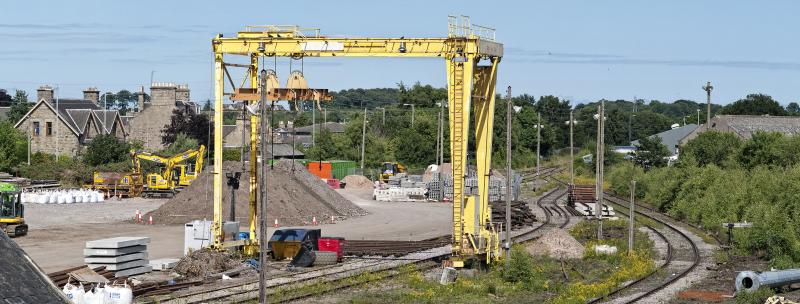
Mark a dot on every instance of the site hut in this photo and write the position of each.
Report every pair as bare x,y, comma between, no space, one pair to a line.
67,126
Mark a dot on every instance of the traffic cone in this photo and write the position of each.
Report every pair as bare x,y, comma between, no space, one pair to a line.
314,221
276,223
136,216
150,220
333,220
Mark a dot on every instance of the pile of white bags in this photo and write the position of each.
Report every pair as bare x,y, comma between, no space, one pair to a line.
62,196
108,294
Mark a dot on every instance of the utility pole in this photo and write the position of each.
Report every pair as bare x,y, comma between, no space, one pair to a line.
29,149
599,165
630,118
698,117
363,139
325,116
413,111
630,218
708,89
383,117
438,144
313,124
262,211
571,148
538,141
510,108
441,131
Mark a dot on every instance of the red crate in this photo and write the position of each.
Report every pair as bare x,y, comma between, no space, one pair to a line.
333,183
335,244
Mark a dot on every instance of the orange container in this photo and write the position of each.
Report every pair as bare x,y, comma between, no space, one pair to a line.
321,169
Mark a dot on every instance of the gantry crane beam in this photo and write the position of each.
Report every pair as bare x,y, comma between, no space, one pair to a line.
470,86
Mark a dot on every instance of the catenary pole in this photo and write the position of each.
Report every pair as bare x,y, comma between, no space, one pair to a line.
262,211
631,217
363,139
510,108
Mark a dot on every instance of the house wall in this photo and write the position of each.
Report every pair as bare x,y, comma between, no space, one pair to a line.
62,140
146,126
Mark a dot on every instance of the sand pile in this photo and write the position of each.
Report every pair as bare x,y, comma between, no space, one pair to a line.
294,197
205,262
357,182
557,244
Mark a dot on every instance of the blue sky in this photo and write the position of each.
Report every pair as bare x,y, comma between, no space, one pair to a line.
579,50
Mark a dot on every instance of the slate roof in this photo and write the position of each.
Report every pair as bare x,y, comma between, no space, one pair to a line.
671,138
283,151
227,129
333,127
77,112
21,280
746,125
106,118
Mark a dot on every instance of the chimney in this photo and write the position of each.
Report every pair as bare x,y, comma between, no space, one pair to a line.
182,92
44,92
140,99
91,94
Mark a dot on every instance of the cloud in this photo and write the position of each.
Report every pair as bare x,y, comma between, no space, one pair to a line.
734,64
521,52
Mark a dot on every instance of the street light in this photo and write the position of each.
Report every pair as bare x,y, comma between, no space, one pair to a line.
412,112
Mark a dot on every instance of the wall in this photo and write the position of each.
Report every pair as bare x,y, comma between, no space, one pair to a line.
146,126
62,140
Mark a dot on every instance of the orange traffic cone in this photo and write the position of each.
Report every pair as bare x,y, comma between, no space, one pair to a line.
150,220
314,221
136,217
276,223
333,220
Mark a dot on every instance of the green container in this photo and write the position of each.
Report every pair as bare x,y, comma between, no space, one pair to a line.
342,168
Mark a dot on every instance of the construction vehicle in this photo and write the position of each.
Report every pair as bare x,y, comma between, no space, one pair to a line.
470,91
119,184
174,175
12,212
391,169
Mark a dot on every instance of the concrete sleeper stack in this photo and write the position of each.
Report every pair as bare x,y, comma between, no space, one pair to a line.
125,256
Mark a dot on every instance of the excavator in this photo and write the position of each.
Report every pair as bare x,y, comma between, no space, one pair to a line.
12,212
390,169
174,176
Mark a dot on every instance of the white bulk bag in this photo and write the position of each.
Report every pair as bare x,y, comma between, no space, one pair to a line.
119,294
96,296
100,197
42,198
74,293
52,198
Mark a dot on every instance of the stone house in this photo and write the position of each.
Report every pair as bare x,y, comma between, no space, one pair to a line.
67,126
146,123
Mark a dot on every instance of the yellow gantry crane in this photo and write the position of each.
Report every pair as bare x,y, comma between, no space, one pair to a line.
471,56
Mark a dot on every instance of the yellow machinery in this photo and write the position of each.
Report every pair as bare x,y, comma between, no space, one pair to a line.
390,169
174,174
119,184
12,212
471,57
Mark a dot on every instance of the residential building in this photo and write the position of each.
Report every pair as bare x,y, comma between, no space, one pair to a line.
67,126
148,121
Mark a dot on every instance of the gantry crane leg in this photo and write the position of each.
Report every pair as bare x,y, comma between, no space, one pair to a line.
252,248
483,106
459,96
219,85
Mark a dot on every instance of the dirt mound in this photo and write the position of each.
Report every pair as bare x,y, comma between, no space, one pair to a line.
358,182
557,244
294,197
205,262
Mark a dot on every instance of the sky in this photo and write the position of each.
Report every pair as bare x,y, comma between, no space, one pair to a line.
579,50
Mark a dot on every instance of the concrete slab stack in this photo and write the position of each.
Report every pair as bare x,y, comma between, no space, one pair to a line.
125,256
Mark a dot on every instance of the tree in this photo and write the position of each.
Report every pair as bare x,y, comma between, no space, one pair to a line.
712,147
181,144
19,106
13,147
650,153
106,149
207,106
5,99
771,149
754,104
196,126
793,109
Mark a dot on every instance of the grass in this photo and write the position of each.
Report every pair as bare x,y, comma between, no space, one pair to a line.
529,279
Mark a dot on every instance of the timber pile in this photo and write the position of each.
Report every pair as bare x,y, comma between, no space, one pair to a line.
60,278
521,214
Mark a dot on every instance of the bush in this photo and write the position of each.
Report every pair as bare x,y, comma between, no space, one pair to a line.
13,147
106,149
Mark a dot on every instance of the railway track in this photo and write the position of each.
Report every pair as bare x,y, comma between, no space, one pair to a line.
293,287
681,257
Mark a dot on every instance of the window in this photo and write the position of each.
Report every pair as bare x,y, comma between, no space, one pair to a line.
35,128
49,128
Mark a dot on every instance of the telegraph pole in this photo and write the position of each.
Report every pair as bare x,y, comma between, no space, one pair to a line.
510,108
571,149
708,89
438,144
363,139
262,212
698,117
538,141
441,131
630,218
602,162
383,117
313,124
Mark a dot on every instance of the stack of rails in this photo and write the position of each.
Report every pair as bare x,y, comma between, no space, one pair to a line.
391,248
521,214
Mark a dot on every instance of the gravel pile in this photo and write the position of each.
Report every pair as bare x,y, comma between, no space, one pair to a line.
294,197
558,244
357,182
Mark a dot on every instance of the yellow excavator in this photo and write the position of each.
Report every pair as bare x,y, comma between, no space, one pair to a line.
390,169
174,176
12,212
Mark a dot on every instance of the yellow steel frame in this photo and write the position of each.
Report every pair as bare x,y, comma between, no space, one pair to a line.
471,87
